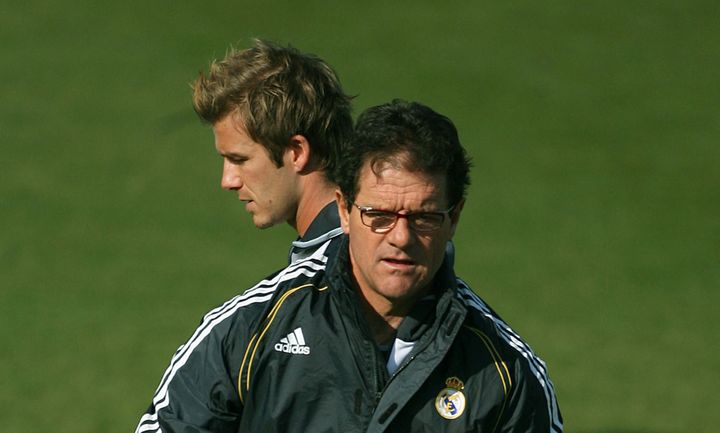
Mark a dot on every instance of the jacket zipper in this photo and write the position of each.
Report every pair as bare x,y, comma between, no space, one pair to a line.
407,362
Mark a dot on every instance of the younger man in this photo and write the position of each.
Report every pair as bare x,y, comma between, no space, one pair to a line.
280,118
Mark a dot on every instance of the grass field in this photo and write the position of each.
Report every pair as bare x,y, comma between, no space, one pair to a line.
592,226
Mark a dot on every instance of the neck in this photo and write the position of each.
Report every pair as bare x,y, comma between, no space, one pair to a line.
383,323
315,193
384,315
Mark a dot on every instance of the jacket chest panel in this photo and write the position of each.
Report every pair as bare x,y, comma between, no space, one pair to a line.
437,407
465,392
301,370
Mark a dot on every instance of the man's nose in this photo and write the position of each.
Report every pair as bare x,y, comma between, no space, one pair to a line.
231,177
401,234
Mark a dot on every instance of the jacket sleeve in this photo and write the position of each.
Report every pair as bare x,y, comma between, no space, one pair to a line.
198,392
532,407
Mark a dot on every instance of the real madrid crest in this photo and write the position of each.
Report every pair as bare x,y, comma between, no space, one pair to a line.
450,403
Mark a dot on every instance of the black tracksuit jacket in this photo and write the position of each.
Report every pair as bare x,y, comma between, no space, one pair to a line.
294,354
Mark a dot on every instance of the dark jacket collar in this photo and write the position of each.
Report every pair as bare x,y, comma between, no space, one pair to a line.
325,226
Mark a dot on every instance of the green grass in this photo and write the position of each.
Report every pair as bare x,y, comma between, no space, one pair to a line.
592,223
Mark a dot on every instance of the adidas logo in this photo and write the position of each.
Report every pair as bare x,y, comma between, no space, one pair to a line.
294,343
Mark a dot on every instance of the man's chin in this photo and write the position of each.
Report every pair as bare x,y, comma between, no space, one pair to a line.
403,291
262,225
263,222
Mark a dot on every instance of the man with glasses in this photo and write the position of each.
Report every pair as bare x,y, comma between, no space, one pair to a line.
381,336
451,363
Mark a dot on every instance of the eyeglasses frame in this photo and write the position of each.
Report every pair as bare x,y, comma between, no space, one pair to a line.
444,213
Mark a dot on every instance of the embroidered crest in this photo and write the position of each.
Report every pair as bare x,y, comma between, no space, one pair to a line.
450,403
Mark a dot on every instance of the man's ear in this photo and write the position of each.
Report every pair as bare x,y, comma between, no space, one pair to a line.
343,211
455,216
298,153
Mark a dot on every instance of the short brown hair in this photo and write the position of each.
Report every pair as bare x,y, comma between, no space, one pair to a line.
409,135
278,92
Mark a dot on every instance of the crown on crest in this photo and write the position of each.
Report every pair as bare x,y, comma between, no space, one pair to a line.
455,383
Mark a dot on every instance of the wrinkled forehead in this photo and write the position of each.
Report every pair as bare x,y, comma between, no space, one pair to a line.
388,178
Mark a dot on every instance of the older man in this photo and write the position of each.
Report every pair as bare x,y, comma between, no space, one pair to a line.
381,337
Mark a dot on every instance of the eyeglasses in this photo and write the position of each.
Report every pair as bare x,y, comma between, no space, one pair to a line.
382,221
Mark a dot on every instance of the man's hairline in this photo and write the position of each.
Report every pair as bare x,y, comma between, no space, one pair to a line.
239,124
395,160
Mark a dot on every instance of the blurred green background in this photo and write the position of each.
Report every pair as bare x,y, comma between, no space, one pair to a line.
592,223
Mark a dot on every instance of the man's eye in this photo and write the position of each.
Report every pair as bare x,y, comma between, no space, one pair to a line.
237,160
428,218
380,217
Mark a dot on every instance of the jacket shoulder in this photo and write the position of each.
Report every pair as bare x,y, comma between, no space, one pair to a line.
253,303
533,399
202,377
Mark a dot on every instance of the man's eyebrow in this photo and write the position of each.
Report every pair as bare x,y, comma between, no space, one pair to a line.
232,155
383,209
234,158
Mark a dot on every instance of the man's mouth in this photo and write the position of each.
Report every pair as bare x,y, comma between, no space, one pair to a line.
399,262
248,203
